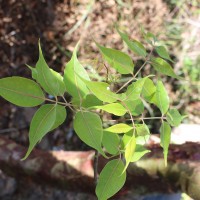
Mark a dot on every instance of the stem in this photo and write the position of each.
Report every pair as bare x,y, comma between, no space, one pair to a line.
68,104
139,118
96,159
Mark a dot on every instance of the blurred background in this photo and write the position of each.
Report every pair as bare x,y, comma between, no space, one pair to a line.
60,24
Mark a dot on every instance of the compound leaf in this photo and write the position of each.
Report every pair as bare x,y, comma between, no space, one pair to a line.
114,108
111,179
163,67
117,59
162,98
133,45
119,128
42,122
88,127
165,136
21,91
73,77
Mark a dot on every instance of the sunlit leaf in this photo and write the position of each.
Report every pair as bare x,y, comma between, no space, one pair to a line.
162,98
88,127
21,91
165,136
133,45
111,142
111,179
162,52
119,128
50,80
163,67
174,118
73,77
117,59
114,108
41,124
102,91
140,151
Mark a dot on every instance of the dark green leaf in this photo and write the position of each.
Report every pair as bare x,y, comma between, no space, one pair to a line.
73,78
142,129
91,100
133,45
118,60
111,142
21,91
41,124
111,179
162,98
163,67
165,136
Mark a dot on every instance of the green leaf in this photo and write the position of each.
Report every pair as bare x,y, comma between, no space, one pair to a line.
50,80
102,91
41,124
33,71
135,106
88,127
163,67
129,151
174,118
133,45
149,90
134,90
91,100
61,115
111,179
119,128
142,140
73,77
162,98
142,129
111,142
114,108
162,52
125,139
21,91
165,136
140,151
117,59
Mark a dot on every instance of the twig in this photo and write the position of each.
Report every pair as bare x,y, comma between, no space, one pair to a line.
96,159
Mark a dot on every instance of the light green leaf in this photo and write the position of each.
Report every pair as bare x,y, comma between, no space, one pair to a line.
125,139
41,124
114,108
142,140
88,127
21,91
162,98
111,142
73,77
119,128
149,90
142,129
61,115
129,151
140,151
117,59
162,52
134,90
111,179
33,71
133,45
165,136
163,67
135,106
102,91
174,118
47,78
